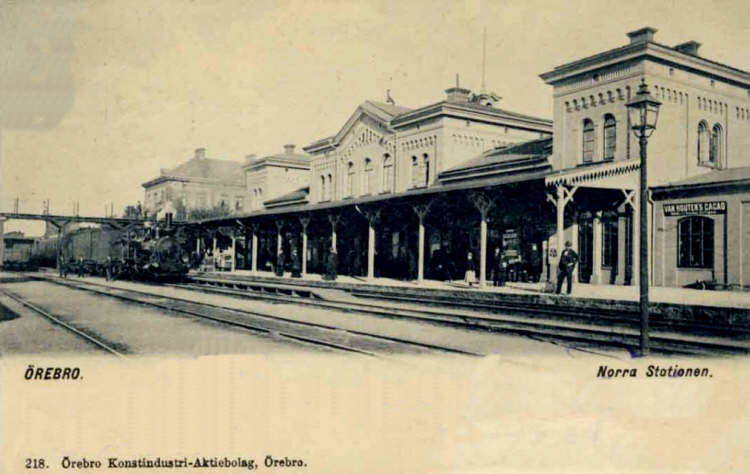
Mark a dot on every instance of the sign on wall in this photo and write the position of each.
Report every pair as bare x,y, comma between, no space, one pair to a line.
693,208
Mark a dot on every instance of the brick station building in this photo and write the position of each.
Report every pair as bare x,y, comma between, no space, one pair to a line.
408,193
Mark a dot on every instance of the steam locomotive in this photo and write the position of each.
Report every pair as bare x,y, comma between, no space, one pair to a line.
148,254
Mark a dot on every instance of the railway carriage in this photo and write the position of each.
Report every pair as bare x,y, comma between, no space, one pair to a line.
122,254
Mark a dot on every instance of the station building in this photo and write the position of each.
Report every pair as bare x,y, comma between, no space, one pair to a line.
409,193
697,164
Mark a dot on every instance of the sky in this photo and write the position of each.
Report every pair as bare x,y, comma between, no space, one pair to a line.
97,97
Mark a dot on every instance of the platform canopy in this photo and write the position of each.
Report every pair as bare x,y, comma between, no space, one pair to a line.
607,175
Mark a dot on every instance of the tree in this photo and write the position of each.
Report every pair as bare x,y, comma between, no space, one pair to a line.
220,210
133,212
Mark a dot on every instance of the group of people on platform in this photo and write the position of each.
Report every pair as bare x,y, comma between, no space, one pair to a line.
503,266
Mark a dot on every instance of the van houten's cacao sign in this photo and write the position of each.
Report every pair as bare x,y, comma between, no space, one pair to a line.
692,208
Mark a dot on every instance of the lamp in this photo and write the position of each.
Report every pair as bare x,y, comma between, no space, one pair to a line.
644,112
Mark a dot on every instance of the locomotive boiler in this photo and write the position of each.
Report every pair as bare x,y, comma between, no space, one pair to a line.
143,254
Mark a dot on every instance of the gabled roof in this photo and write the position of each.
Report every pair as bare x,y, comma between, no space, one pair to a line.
298,196
380,112
472,111
390,110
728,177
295,160
522,157
204,170
650,49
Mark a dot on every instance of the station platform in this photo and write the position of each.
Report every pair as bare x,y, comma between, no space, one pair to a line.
657,294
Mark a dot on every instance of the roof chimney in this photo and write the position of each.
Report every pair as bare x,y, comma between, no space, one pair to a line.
249,158
643,35
457,94
289,149
689,47
200,153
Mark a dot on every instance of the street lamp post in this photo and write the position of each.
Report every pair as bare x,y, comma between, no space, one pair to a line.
644,112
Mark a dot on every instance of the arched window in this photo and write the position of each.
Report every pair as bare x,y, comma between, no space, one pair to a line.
322,188
387,173
610,137
426,165
714,151
695,242
329,188
350,180
414,172
588,141
368,177
702,142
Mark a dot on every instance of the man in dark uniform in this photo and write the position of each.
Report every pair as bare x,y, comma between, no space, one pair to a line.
568,261
498,268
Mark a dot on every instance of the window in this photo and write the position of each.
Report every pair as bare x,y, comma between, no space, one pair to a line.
387,173
322,188
610,137
695,242
426,166
329,188
588,141
609,243
350,180
714,150
702,142
414,173
368,177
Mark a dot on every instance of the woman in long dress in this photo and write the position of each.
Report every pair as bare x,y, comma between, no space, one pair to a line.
471,276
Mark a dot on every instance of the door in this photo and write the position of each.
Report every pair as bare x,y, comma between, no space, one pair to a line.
585,250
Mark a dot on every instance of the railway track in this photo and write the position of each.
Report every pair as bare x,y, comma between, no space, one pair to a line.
316,334
85,335
611,330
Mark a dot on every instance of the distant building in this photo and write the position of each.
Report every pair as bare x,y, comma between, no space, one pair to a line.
199,183
272,177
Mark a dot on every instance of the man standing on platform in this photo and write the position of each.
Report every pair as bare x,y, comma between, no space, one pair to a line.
568,261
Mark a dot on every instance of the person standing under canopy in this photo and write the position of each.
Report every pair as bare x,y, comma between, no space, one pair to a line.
568,261
470,277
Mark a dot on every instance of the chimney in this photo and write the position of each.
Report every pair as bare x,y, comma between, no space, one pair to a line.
689,47
643,35
457,94
289,149
249,158
200,153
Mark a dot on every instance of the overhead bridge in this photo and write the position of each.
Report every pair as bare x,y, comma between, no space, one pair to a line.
60,221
